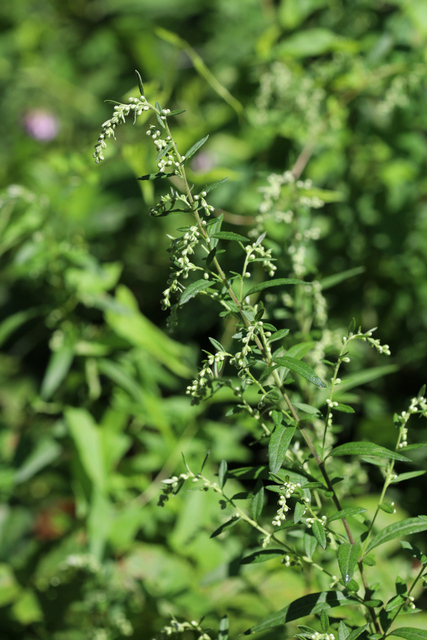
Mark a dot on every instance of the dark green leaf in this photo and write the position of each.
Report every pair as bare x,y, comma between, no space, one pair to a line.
410,633
414,551
366,449
280,440
387,507
277,282
193,289
312,603
299,350
348,556
218,346
222,473
229,235
140,83
224,527
257,502
301,368
324,621
345,513
262,556
163,152
398,530
156,176
192,150
319,533
176,112
395,602
205,461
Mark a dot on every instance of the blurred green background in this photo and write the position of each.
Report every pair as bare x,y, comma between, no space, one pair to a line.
93,414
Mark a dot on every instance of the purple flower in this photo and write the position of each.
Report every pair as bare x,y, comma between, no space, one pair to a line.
41,124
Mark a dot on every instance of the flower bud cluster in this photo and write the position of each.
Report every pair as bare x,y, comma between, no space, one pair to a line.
136,106
209,372
172,486
367,337
202,204
240,359
286,491
417,406
322,636
181,248
176,627
310,521
256,252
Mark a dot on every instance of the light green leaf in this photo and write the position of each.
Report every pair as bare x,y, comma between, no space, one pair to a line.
87,439
309,42
44,453
192,150
276,282
278,335
357,632
398,530
366,449
257,501
343,631
301,368
344,408
348,556
280,440
407,476
214,185
58,367
335,279
312,603
193,289
223,628
409,633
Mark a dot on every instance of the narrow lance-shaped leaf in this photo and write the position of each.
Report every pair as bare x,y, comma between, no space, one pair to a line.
366,449
214,185
348,555
319,533
224,527
262,556
280,440
229,235
193,289
257,502
301,368
222,473
346,513
409,633
223,628
310,604
398,530
156,176
276,282
140,83
192,150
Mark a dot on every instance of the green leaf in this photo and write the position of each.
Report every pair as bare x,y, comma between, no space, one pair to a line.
409,633
87,439
223,628
222,473
398,530
395,602
324,621
345,513
407,476
366,449
156,176
13,322
277,282
262,556
140,83
343,631
299,511
414,551
278,335
310,544
162,152
280,440
387,507
229,235
214,185
357,632
299,350
192,150
309,604
301,368
224,527
319,533
193,289
344,408
218,346
45,452
176,112
335,279
257,501
57,369
348,556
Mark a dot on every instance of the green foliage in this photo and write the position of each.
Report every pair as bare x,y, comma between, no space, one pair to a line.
315,487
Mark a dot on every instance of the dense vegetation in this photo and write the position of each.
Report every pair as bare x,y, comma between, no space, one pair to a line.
94,410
